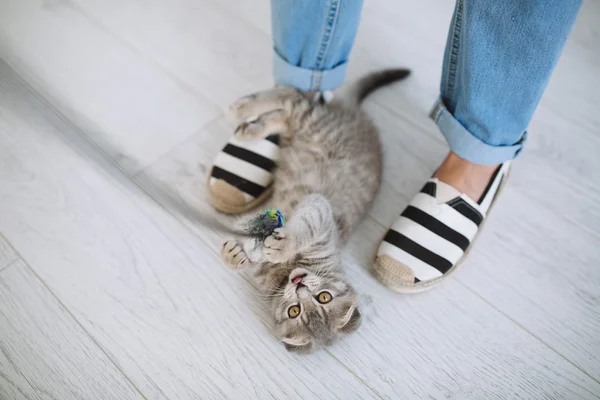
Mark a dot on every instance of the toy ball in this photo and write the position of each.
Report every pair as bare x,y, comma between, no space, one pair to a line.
276,215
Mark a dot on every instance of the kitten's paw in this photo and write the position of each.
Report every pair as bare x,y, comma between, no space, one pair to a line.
237,112
279,246
252,129
234,255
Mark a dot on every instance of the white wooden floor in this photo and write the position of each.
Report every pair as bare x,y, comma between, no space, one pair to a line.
109,108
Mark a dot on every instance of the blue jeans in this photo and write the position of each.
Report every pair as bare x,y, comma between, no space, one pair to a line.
498,59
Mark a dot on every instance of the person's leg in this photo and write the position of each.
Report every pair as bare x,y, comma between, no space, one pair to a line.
498,60
312,40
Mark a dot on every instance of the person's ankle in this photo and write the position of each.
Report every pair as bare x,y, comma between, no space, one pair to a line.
466,177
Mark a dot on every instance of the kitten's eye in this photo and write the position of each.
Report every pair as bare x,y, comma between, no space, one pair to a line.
324,297
294,311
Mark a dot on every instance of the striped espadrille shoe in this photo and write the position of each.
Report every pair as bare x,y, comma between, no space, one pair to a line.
242,173
433,235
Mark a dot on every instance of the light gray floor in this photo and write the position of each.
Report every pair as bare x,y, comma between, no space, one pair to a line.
108,292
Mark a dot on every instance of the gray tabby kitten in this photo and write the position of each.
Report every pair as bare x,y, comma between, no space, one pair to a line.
327,177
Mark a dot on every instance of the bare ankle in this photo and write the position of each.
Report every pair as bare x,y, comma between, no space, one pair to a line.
465,176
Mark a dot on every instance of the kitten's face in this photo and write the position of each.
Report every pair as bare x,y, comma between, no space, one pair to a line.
314,308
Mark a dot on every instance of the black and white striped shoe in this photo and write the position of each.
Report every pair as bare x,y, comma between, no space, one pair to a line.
242,173
433,235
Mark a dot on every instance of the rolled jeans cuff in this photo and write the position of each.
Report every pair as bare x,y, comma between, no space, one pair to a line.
469,147
307,80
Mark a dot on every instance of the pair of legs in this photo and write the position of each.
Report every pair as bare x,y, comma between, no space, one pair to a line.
498,59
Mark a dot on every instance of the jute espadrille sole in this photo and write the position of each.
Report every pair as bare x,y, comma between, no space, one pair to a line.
222,204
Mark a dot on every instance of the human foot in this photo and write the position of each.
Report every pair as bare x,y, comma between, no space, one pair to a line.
435,232
466,177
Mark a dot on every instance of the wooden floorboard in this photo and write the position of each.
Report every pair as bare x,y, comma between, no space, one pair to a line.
126,103
44,353
7,253
94,200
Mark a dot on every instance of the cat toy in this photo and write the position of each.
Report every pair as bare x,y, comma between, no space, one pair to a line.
259,228
264,224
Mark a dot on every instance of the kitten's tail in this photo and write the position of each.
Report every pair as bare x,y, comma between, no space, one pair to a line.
373,81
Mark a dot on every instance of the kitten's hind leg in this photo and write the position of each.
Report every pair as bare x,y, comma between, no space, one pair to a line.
266,124
259,103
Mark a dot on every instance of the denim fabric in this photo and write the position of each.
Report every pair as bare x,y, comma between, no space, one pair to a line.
498,59
312,41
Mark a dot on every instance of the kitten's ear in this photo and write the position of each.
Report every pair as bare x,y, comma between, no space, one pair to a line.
351,321
294,346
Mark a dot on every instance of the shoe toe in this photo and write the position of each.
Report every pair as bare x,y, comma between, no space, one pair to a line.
392,273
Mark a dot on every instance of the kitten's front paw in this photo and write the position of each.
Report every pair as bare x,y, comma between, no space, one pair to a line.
252,129
279,246
236,112
234,255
